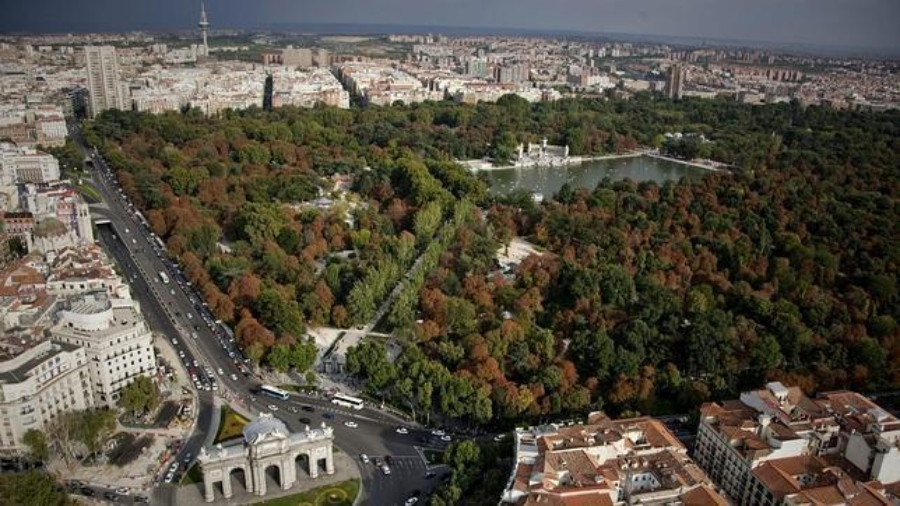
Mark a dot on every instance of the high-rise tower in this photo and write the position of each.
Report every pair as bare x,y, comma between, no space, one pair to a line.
104,85
204,27
675,81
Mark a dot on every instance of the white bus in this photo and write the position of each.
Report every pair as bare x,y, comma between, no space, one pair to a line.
347,401
275,392
163,277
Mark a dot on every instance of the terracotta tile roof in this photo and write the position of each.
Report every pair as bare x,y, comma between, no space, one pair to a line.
703,495
775,480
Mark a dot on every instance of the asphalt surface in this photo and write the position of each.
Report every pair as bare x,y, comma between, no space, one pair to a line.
175,309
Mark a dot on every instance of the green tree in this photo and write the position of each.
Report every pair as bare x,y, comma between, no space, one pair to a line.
36,441
462,456
32,488
93,428
368,360
140,396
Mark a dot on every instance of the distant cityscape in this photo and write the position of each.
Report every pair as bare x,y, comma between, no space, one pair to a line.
43,76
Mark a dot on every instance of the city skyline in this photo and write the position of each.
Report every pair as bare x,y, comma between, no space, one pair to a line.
828,23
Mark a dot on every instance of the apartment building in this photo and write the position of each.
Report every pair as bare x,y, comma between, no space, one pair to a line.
116,340
747,445
39,379
605,462
105,90
26,165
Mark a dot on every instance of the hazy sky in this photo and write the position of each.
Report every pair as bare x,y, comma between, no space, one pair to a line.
860,23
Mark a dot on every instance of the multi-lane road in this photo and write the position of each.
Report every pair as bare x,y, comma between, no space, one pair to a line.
176,310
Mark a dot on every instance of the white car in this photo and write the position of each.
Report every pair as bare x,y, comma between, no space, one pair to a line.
122,491
437,432
351,424
220,371
173,467
499,437
402,430
386,470
446,438
273,407
364,458
411,501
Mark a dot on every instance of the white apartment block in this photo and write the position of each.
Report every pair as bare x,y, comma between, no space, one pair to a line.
26,165
605,463
87,269
775,424
39,379
57,202
103,79
307,88
381,84
116,339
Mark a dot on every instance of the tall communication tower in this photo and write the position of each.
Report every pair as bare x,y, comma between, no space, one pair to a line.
204,27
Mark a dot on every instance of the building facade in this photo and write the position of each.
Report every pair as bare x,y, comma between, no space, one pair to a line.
116,339
105,89
39,379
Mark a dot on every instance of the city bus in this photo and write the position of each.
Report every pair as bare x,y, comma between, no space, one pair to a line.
274,392
347,401
163,277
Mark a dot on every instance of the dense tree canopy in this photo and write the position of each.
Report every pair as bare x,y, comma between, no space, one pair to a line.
646,298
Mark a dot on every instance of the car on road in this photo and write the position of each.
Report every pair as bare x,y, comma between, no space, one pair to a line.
389,460
437,432
111,496
234,377
386,470
122,491
88,492
351,424
411,501
402,430
187,457
328,416
173,467
430,474
499,437
273,407
305,420
364,458
307,408
220,371
446,438
170,476
139,499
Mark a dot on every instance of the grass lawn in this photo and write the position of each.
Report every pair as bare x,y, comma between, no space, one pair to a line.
339,494
230,425
90,192
194,475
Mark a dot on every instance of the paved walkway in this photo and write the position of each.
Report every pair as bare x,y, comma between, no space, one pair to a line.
345,468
